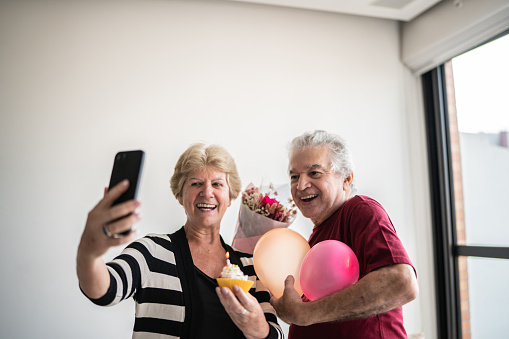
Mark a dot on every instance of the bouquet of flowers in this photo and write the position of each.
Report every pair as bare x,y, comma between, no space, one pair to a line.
259,213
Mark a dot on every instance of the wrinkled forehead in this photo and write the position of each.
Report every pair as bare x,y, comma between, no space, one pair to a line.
309,158
313,167
205,173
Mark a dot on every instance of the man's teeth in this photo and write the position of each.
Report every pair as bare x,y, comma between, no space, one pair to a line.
308,197
206,206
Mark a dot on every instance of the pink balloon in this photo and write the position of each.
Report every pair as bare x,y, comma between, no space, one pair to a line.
328,267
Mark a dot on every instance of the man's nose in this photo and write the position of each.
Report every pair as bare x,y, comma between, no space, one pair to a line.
303,183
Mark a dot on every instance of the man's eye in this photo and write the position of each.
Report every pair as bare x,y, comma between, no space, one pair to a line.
314,174
293,177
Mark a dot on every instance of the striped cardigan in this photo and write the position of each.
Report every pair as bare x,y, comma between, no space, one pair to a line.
158,272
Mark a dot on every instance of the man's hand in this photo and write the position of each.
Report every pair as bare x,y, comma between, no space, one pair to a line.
289,306
378,292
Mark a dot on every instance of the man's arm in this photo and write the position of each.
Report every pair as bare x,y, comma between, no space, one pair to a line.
378,292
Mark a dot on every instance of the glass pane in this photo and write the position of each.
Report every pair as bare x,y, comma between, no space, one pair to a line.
480,92
488,281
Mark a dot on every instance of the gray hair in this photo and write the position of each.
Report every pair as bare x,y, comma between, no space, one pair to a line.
340,156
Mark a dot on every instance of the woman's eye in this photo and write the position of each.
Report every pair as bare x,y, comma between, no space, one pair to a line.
217,184
195,184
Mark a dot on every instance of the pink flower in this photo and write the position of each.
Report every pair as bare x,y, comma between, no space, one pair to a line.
261,203
269,201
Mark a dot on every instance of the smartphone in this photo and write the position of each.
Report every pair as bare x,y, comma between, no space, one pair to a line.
127,165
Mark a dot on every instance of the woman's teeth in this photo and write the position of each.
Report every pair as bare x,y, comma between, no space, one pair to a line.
206,207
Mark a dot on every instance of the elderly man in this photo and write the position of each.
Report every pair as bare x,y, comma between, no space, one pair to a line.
321,173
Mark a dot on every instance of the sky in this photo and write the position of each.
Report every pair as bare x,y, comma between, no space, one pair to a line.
481,82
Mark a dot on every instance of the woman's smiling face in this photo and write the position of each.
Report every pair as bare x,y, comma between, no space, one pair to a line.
317,191
205,197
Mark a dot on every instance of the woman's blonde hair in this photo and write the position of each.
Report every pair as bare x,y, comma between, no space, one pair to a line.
199,156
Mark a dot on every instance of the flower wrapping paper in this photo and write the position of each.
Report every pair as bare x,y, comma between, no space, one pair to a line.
251,226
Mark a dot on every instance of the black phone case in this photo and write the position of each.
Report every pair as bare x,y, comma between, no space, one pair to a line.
127,165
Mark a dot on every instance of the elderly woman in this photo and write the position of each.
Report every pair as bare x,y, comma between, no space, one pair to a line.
172,277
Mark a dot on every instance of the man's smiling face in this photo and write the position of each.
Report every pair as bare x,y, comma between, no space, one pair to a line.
317,191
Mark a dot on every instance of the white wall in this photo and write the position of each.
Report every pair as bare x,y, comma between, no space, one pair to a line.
81,80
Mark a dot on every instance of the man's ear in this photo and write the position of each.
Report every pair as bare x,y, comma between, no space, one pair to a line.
347,183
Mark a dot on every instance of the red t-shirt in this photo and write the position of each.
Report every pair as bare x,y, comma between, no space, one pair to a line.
363,224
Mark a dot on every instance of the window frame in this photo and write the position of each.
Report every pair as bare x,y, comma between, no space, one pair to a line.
443,214
442,203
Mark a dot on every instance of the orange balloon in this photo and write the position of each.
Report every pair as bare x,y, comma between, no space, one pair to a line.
278,254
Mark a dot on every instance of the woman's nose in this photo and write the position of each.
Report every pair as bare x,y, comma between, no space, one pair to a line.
207,190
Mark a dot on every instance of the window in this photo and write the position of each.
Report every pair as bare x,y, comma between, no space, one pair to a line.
467,122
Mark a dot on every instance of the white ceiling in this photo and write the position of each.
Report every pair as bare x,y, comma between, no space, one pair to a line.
404,10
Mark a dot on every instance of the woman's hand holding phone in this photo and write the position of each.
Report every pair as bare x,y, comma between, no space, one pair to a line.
118,219
110,223
92,271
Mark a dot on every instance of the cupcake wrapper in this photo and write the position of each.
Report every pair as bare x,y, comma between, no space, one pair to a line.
245,285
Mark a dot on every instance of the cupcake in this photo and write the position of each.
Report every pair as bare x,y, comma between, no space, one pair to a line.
232,275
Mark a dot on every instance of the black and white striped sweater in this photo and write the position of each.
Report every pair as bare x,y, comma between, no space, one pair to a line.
158,272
